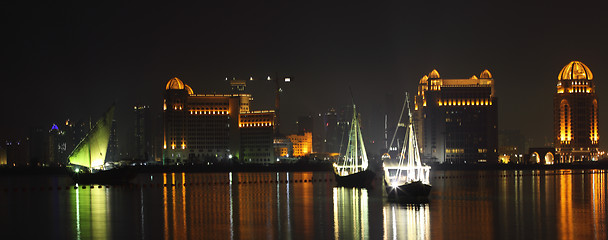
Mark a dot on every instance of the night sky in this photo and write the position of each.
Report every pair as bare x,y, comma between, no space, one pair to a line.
72,60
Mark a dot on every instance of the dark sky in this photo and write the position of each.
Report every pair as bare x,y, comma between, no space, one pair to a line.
72,60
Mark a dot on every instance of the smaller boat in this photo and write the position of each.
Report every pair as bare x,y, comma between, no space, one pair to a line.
408,180
362,179
352,170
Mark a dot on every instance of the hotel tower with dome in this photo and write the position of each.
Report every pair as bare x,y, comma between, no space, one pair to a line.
575,115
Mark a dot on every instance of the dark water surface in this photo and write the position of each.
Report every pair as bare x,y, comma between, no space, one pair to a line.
556,204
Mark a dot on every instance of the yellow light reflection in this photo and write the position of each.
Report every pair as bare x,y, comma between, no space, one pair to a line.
598,195
183,216
351,204
165,208
565,206
99,212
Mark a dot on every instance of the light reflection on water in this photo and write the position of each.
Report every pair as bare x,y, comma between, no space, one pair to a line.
556,204
90,215
406,221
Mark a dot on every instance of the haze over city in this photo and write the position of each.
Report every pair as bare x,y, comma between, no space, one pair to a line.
72,60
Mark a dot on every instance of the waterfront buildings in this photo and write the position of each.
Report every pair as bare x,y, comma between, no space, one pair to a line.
456,119
303,141
575,114
15,153
543,155
220,126
302,144
49,146
283,148
512,146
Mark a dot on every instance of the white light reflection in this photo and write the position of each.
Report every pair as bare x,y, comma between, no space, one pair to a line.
77,213
364,213
410,221
231,207
336,226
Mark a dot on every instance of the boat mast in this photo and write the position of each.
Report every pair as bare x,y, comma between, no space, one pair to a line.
355,148
355,133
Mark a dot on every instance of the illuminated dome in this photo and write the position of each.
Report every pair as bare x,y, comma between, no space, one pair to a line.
434,74
189,89
485,74
423,79
175,83
575,70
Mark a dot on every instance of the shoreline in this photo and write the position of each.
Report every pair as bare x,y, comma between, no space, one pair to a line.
477,167
219,168
292,167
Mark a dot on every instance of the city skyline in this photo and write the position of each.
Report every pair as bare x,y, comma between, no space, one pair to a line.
74,60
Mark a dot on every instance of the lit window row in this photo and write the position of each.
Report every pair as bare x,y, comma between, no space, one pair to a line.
465,102
578,90
262,124
173,145
193,112
579,83
435,88
454,150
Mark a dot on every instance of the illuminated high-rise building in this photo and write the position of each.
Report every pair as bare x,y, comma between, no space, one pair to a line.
199,126
456,119
575,114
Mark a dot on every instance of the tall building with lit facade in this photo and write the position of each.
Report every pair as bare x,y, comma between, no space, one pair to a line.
199,126
575,114
456,120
